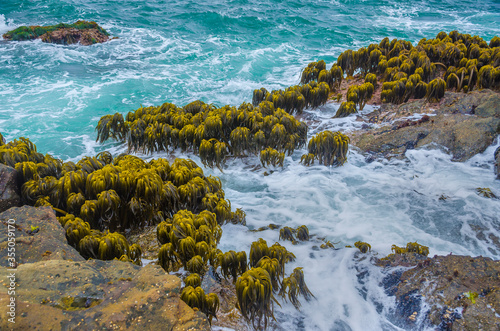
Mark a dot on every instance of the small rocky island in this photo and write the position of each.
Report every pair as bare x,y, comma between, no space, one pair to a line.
84,32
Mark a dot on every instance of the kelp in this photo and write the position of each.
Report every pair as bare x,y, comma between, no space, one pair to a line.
213,133
330,148
407,71
105,193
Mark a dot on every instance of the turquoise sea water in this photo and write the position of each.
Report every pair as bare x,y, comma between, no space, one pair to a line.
180,51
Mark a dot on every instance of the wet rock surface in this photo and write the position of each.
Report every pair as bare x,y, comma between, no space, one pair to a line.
497,162
56,289
98,295
9,188
38,236
446,292
228,315
461,124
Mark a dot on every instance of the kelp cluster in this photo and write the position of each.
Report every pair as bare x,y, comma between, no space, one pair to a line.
214,133
195,297
468,62
363,246
190,241
301,233
70,190
450,61
357,97
411,247
104,193
33,32
256,288
330,148
295,98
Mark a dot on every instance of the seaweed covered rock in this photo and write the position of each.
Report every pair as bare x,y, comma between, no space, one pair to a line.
38,236
461,124
450,61
57,289
9,188
83,32
213,133
460,292
62,295
102,193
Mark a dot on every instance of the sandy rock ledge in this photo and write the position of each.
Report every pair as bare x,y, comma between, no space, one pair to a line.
56,289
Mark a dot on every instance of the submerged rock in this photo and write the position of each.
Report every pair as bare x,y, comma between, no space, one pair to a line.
462,124
59,290
448,292
497,162
9,188
83,32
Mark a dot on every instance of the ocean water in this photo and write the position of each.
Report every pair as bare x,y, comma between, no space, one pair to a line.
181,51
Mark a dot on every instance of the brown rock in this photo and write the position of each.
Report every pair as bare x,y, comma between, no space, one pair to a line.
446,283
73,36
48,242
9,188
463,125
97,295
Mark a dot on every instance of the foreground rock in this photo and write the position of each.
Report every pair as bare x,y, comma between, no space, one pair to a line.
83,32
461,124
98,295
57,289
39,236
459,292
9,188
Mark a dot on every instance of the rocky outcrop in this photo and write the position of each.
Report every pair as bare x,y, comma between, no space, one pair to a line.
98,295
57,289
83,32
448,292
73,36
39,236
9,188
462,124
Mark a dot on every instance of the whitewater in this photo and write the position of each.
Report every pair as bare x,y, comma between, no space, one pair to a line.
181,51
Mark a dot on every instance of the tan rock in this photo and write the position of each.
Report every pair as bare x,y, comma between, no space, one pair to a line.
94,295
47,242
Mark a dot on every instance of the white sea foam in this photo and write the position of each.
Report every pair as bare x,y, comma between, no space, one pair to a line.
383,203
6,24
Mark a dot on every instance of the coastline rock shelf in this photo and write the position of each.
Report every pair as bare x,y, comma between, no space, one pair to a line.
83,32
58,290
462,125
451,292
